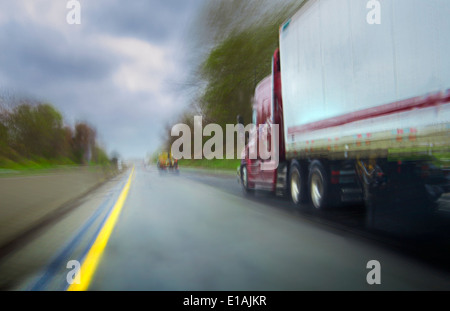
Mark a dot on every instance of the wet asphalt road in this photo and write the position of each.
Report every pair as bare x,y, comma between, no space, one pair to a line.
199,232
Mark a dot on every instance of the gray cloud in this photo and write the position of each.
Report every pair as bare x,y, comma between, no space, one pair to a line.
116,71
42,54
156,21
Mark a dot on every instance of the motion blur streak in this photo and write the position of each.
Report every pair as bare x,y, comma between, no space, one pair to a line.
93,257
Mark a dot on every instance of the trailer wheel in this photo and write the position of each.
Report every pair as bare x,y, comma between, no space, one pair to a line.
297,184
319,188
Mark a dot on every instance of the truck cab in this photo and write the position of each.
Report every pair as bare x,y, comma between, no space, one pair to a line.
266,110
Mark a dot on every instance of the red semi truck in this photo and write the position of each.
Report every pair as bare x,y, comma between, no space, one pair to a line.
363,109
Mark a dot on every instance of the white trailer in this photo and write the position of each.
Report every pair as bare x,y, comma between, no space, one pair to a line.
353,89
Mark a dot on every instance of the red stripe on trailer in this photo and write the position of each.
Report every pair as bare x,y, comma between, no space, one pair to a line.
420,102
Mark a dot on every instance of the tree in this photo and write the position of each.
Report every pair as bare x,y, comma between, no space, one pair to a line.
36,131
32,130
84,142
239,38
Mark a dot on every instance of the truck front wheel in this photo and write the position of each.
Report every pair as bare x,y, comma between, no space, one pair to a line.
244,180
319,187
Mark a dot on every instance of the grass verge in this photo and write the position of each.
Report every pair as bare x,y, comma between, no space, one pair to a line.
40,166
214,164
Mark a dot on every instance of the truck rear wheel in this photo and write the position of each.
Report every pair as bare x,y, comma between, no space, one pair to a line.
297,184
319,188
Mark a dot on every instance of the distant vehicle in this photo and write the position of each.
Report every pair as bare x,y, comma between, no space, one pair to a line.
166,162
363,110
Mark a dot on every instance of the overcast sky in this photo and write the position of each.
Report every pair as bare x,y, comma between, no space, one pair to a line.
120,70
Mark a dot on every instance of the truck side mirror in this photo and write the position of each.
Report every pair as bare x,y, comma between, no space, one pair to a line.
240,120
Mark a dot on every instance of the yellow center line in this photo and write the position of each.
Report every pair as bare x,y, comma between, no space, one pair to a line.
92,260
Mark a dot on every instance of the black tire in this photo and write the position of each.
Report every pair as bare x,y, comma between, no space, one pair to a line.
319,186
297,184
244,181
432,195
